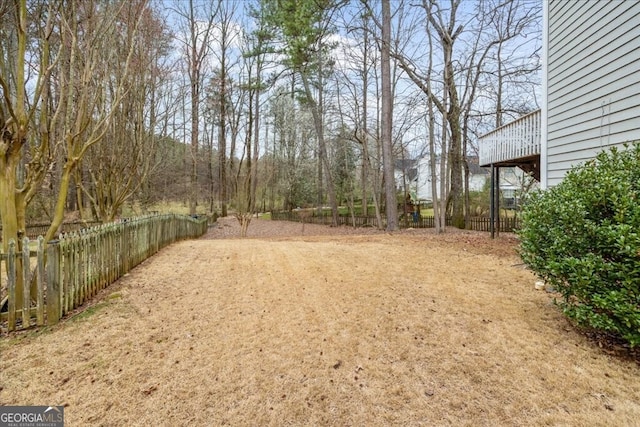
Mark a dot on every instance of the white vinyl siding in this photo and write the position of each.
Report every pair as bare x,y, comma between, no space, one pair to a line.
593,80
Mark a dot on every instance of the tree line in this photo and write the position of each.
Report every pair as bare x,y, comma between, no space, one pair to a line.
249,106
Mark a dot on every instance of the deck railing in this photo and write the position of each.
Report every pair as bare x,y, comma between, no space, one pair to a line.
516,140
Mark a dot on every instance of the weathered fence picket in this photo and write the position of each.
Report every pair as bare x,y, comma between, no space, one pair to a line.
11,270
54,293
74,268
40,283
35,230
26,283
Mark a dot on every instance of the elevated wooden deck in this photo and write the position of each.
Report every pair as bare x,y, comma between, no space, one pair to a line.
514,144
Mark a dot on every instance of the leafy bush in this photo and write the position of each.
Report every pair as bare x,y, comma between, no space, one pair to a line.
582,237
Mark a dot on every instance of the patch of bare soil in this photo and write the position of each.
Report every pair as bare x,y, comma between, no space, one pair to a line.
330,326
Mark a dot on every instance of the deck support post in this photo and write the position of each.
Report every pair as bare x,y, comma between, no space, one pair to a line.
494,203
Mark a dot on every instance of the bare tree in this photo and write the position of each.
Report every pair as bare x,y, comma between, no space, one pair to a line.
226,36
455,96
304,29
56,108
24,158
293,139
254,52
119,168
497,25
88,86
378,161
197,22
387,120
363,136
513,65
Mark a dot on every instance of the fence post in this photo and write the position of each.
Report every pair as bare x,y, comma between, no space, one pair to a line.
26,281
11,286
40,283
53,282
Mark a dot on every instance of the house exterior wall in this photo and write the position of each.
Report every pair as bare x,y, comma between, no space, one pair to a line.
419,182
422,183
592,81
418,179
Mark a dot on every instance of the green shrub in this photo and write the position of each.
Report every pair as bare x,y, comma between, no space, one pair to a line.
582,237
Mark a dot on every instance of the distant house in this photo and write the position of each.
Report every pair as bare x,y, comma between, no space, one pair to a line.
415,176
513,183
478,176
591,91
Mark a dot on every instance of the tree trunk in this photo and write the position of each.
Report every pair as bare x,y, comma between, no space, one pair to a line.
12,220
456,168
256,143
455,145
222,142
365,131
245,220
432,166
58,214
320,185
193,181
210,174
444,175
387,121
322,149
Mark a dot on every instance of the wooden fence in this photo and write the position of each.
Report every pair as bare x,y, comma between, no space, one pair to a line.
507,224
35,230
73,268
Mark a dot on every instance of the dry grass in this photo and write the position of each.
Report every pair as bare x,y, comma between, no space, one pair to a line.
407,330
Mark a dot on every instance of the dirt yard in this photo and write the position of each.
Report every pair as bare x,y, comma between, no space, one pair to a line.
323,327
